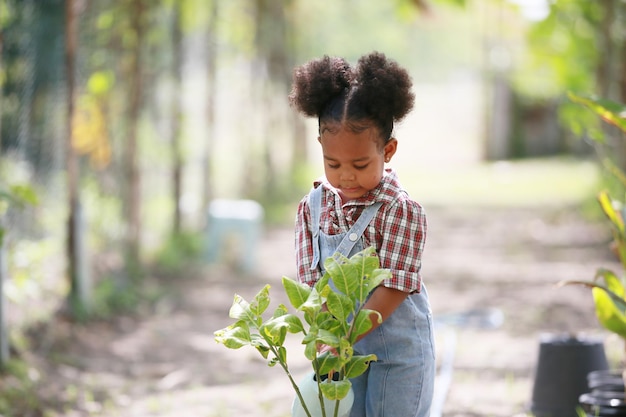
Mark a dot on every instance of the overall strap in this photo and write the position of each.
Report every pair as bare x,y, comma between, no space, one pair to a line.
315,206
353,235
356,231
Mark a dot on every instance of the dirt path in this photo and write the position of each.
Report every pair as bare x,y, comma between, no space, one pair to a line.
501,261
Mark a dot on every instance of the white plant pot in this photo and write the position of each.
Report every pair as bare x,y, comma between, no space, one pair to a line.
308,389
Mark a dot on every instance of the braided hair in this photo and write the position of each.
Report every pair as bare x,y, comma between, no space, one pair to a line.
376,91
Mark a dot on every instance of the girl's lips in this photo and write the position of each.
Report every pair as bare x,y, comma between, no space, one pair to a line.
349,189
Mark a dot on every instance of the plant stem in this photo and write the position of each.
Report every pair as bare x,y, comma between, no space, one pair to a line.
320,396
286,369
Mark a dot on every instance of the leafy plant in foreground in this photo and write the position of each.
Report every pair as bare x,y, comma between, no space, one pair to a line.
608,288
333,315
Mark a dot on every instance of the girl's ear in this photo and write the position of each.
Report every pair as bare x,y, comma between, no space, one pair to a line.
390,149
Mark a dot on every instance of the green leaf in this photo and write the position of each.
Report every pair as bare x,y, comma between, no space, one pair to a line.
297,292
335,390
281,310
369,274
327,338
610,111
234,336
327,321
275,330
363,323
294,322
311,336
339,305
312,305
607,207
322,285
373,280
357,365
263,350
345,350
610,303
240,310
310,350
282,354
276,326
327,362
261,301
344,273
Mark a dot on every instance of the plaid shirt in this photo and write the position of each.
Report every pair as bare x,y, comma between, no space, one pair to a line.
398,231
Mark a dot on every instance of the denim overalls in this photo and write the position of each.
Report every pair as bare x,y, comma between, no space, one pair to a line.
401,382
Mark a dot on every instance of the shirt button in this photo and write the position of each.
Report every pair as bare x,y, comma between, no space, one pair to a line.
353,237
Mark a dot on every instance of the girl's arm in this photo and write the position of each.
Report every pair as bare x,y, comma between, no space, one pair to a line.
384,300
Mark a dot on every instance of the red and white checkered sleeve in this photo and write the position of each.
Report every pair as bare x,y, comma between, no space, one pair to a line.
304,245
403,237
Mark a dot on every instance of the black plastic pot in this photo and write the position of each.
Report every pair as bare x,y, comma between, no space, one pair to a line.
607,397
598,403
606,380
561,375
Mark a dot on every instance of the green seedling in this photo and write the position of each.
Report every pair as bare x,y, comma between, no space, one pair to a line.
324,315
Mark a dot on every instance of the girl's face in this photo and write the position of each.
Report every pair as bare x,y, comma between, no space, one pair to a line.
354,162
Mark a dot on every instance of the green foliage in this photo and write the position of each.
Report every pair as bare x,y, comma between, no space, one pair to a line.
563,51
610,303
608,110
608,289
563,55
18,388
112,297
17,195
20,195
179,250
324,316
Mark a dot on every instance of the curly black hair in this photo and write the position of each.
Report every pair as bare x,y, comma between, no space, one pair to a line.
376,90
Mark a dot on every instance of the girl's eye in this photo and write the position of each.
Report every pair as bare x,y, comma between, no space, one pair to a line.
332,166
359,167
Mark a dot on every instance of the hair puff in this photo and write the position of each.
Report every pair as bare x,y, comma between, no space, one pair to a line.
383,87
317,82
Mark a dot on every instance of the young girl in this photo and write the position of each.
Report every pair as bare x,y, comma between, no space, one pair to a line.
359,199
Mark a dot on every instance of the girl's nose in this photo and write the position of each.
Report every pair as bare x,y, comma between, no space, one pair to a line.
346,175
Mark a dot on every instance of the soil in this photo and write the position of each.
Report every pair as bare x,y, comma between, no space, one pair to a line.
490,274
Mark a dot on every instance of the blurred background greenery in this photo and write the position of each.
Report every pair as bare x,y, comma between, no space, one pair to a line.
122,120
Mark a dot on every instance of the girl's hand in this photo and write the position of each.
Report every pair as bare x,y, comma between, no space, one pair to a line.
321,349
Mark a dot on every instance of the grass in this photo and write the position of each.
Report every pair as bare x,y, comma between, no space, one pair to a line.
524,183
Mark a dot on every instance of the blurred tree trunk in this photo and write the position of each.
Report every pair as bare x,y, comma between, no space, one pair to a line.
72,168
605,75
211,75
1,84
611,69
271,72
4,334
133,175
176,139
300,139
